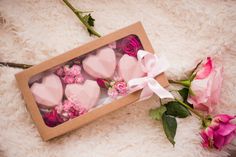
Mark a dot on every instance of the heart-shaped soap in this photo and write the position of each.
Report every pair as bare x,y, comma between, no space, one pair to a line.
102,64
48,93
129,68
86,94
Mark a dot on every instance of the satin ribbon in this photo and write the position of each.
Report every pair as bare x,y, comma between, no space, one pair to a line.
153,66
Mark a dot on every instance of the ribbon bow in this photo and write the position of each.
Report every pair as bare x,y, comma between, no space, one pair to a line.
153,66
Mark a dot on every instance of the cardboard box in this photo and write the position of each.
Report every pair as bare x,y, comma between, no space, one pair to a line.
24,77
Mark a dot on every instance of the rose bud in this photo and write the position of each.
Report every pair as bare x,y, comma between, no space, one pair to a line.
102,83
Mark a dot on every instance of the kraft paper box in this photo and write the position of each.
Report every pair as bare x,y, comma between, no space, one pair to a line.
83,84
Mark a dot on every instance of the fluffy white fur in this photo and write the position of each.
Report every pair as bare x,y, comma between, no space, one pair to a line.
32,31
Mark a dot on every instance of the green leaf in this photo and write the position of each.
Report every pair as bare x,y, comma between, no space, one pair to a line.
175,109
157,113
169,126
184,93
90,20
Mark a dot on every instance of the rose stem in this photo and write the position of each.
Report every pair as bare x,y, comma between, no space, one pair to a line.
185,83
15,65
191,109
78,14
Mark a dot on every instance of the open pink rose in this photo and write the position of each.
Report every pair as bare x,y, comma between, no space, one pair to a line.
130,45
219,133
206,86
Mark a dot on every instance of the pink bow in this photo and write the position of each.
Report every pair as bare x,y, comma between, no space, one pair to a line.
153,66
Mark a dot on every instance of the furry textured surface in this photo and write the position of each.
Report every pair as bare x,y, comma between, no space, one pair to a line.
32,31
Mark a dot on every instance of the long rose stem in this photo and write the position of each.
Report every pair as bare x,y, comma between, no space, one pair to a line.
78,14
15,65
191,109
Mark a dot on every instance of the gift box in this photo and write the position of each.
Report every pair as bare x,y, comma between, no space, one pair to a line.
83,84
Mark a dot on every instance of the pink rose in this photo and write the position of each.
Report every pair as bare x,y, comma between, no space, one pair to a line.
121,87
206,86
130,45
219,133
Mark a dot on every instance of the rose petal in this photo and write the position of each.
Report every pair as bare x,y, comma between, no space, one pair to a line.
203,73
229,138
223,118
226,129
218,140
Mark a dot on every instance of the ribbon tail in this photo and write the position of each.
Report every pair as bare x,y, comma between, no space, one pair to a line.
158,89
146,93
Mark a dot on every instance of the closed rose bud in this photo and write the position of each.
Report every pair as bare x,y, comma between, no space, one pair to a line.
102,83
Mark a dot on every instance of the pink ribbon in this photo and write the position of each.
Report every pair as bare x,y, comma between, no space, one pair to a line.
153,66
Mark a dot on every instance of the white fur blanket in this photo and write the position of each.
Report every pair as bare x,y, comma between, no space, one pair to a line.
32,31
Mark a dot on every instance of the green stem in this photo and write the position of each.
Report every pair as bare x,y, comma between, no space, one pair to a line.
185,83
78,14
191,109
16,65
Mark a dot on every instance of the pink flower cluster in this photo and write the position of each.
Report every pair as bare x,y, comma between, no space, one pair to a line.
70,74
219,133
114,88
63,112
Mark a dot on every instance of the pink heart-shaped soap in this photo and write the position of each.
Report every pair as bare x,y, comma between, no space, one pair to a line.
101,65
86,94
129,68
48,93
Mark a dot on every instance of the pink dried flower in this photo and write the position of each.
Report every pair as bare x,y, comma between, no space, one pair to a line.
75,70
121,87
68,79
79,79
219,132
112,92
72,71
69,110
130,45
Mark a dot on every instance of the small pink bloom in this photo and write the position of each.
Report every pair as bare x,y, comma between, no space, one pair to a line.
79,79
75,70
206,86
72,71
121,87
130,45
219,133
112,92
68,79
